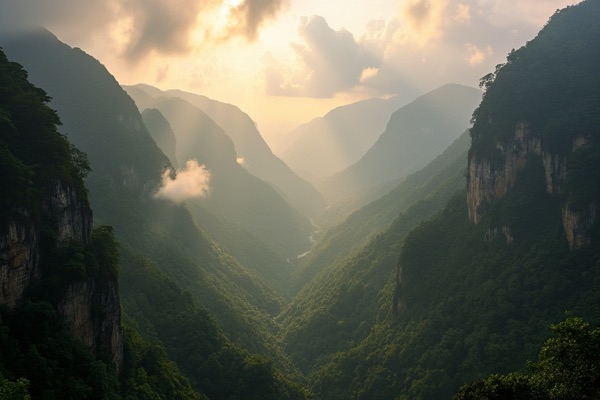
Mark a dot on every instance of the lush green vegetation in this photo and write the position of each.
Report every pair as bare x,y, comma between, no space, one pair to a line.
39,356
526,88
440,178
355,265
567,368
473,300
466,307
240,303
216,366
33,154
36,346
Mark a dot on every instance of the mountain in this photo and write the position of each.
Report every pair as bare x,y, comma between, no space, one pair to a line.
350,272
440,178
329,144
61,315
415,135
251,149
161,131
226,308
477,286
234,193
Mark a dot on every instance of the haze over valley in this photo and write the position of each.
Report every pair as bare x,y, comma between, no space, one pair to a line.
300,200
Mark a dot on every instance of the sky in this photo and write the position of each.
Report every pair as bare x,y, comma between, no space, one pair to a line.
285,62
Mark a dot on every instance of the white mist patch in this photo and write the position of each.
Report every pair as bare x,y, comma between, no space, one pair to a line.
241,161
191,182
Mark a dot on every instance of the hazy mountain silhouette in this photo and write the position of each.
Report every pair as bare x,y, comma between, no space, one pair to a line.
328,144
161,131
415,134
235,193
251,149
439,180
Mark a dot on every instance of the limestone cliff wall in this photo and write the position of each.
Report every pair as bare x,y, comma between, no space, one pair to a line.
90,308
489,181
19,260
93,312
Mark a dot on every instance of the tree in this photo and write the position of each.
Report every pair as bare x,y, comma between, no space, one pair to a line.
568,368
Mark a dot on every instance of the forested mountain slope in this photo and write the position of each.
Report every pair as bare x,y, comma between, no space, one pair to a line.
414,135
102,120
251,150
237,237
328,144
442,177
60,322
355,263
478,285
234,193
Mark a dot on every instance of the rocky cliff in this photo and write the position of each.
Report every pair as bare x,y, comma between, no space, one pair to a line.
47,249
541,107
490,178
89,306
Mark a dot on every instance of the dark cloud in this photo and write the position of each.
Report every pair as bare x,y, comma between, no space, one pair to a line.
145,26
161,26
333,60
249,16
419,11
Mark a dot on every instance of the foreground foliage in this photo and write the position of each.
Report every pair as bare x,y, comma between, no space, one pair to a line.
568,367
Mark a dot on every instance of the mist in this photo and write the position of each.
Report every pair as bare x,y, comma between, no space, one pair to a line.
193,181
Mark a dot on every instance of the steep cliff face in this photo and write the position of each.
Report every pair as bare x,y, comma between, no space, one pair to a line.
491,178
541,106
46,221
19,260
92,311
90,307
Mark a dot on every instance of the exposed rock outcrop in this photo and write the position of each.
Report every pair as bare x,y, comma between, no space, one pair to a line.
90,307
577,223
74,216
489,181
19,260
93,312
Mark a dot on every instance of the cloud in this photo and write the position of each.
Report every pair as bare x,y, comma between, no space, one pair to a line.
425,44
191,182
422,21
241,161
160,26
248,16
140,28
331,62
463,13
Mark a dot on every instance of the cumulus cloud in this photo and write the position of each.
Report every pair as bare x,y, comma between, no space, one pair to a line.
241,161
463,13
142,27
476,56
332,61
422,21
160,26
248,16
425,44
191,182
